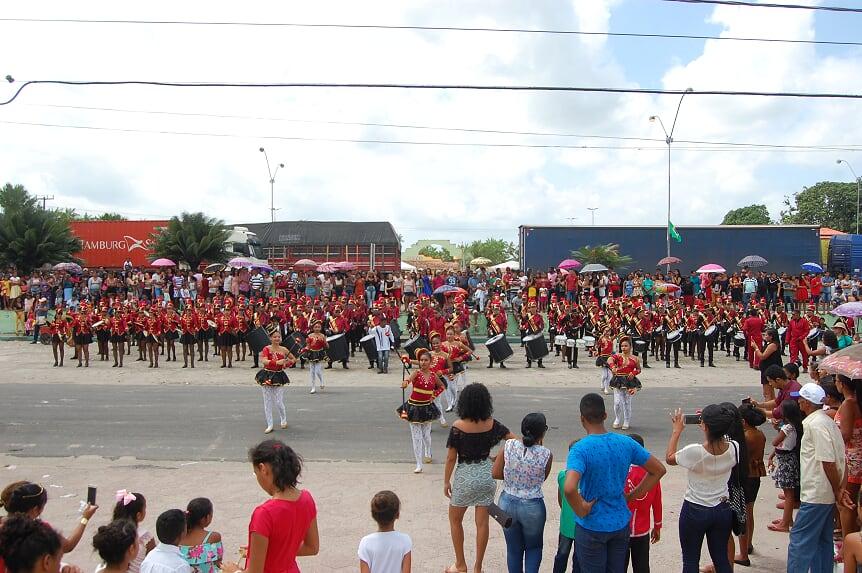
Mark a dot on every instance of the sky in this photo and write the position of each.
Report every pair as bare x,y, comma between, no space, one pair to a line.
153,152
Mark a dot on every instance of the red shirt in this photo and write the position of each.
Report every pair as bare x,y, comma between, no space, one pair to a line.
284,524
571,282
640,508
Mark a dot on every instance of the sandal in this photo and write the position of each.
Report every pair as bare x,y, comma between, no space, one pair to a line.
777,528
454,569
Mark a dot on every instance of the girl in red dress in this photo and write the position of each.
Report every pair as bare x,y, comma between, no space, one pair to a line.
272,378
625,367
459,354
316,346
420,409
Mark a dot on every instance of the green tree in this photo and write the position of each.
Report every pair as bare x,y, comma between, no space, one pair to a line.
497,250
192,238
71,214
750,215
827,203
608,255
436,252
31,236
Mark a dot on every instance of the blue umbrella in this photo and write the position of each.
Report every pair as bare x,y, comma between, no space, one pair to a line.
812,267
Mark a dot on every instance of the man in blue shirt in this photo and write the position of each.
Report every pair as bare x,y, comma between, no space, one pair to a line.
596,473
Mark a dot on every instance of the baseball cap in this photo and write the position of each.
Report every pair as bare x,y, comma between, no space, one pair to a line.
813,393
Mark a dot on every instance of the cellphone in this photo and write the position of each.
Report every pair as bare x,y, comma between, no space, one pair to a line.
692,418
91,495
746,400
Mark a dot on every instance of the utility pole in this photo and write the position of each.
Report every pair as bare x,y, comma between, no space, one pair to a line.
592,211
44,199
272,207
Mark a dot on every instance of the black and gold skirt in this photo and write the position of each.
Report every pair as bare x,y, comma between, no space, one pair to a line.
624,383
266,377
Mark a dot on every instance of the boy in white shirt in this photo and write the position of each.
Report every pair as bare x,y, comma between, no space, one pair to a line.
165,558
387,551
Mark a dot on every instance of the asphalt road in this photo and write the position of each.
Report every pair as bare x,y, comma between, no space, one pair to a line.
220,423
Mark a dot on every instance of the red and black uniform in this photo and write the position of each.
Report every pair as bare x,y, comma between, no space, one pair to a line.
118,328
82,328
622,367
155,328
316,347
226,330
272,373
420,407
190,325
534,324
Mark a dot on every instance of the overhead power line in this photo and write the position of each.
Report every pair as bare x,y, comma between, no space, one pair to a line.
769,5
396,27
447,128
426,143
469,87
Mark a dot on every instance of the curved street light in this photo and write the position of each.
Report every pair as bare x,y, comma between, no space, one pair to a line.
272,174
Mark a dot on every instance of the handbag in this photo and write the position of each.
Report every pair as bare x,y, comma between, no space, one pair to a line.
737,500
500,516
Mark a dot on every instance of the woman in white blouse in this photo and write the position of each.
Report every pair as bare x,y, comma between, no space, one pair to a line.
524,465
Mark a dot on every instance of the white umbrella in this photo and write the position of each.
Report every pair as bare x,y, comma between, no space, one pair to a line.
594,268
407,266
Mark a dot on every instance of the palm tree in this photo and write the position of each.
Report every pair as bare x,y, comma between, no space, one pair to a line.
608,255
31,236
193,238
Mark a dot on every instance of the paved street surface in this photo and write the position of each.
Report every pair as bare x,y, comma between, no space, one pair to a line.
175,434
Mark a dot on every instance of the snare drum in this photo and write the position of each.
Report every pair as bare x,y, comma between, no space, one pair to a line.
570,342
710,332
674,335
560,340
581,343
589,341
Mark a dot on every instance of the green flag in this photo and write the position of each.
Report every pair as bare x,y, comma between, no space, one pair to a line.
673,233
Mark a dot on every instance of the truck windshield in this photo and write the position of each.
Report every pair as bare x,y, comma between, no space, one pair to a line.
255,249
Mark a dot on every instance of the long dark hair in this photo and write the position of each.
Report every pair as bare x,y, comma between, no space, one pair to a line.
286,464
791,414
533,428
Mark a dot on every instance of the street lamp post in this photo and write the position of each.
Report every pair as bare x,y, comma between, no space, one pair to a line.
668,138
592,211
272,174
858,188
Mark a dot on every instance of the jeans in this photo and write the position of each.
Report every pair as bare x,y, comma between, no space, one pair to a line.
639,553
600,551
561,559
383,359
697,521
810,545
746,299
789,302
524,536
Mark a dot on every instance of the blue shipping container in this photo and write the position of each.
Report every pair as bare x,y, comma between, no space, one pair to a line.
786,247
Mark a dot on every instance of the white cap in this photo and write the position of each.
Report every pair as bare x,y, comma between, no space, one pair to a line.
812,392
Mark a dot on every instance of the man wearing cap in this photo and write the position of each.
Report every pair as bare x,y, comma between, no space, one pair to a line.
821,461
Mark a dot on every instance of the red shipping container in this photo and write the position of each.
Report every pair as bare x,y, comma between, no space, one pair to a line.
109,243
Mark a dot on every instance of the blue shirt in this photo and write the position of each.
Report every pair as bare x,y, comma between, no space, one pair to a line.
603,461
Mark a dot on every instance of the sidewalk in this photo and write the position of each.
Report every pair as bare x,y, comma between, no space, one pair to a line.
342,491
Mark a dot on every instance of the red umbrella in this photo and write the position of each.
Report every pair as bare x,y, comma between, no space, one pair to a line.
305,264
669,261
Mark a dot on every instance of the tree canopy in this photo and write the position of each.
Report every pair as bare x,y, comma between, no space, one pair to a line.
496,250
749,215
71,214
31,236
436,252
608,255
828,204
193,238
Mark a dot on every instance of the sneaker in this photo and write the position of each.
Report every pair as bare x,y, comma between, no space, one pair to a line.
616,426
443,423
284,425
427,459
605,391
313,391
418,470
449,409
625,427
268,430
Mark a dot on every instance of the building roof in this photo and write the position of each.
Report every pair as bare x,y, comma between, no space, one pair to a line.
826,232
323,233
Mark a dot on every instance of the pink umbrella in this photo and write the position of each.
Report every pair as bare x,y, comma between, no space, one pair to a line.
666,288
711,268
848,309
569,264
669,261
847,361
305,264
163,263
327,267
345,266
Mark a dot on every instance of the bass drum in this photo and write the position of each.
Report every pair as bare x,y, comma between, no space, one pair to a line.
257,339
295,342
739,340
711,333
369,346
812,337
414,344
674,336
536,346
499,349
337,350
396,333
639,345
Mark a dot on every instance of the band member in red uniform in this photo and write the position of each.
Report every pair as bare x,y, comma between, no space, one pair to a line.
190,327
59,330
691,334
459,354
154,329
605,350
118,329
172,324
272,379
226,337
103,332
242,328
83,333
670,325
753,328
338,325
420,410
625,367
498,322
535,324
643,328
797,330
316,346
206,332
706,343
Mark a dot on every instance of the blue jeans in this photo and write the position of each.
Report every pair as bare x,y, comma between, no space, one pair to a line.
565,546
600,551
789,300
746,299
811,539
382,359
524,536
714,523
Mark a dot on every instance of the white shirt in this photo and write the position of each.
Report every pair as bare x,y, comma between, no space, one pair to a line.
383,337
165,559
385,550
790,438
821,442
707,474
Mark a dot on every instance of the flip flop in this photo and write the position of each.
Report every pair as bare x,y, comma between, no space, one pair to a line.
773,527
453,569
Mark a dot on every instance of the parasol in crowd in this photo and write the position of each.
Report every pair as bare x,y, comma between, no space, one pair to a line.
447,289
711,268
263,267
345,266
305,265
752,261
847,362
569,264
669,261
594,268
665,288
848,310
163,263
812,267
240,263
327,267
214,268
68,267
480,262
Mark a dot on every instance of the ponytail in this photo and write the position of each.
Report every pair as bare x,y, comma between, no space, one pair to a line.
286,465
